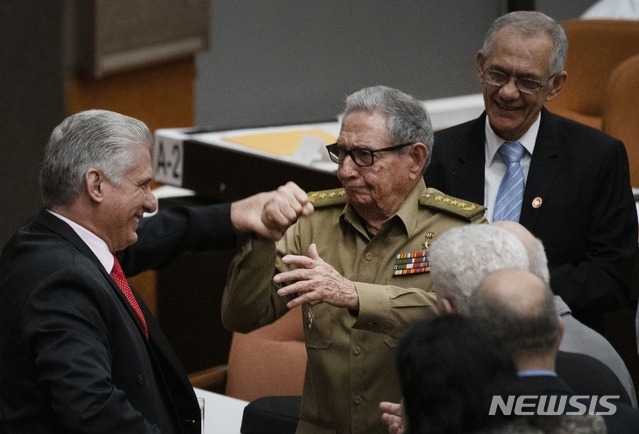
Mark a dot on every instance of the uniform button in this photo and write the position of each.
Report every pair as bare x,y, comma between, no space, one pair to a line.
357,351
368,256
140,380
369,325
357,400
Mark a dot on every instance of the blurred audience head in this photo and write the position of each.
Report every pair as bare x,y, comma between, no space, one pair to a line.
449,370
462,256
518,308
537,261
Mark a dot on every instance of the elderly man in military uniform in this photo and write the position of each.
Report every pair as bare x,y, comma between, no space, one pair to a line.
358,265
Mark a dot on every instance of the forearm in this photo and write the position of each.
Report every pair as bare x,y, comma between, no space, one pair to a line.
595,278
176,231
250,299
590,288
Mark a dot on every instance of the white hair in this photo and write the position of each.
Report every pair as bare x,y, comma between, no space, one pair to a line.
462,256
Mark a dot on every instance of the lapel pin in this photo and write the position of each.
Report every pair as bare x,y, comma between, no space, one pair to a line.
536,203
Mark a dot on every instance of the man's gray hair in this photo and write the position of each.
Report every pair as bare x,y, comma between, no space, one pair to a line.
98,139
531,24
407,120
462,256
537,261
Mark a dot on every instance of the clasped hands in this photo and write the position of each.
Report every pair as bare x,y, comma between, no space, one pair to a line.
269,215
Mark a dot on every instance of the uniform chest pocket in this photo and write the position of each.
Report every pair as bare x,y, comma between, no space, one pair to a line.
318,324
409,304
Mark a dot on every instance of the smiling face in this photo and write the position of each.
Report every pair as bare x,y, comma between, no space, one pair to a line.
511,112
123,206
376,192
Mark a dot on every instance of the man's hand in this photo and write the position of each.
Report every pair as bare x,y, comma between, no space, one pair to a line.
270,214
316,280
393,417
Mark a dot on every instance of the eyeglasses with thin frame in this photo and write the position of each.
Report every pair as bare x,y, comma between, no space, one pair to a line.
360,156
525,85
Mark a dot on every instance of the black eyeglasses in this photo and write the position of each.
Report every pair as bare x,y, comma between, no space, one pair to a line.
525,85
361,157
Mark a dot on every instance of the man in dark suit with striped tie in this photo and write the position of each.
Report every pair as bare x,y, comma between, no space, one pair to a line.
566,183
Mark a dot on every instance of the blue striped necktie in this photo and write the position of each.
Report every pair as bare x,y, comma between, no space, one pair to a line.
511,190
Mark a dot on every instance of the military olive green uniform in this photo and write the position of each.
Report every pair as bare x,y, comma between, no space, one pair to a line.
351,355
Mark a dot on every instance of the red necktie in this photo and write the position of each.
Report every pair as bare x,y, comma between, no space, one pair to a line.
118,275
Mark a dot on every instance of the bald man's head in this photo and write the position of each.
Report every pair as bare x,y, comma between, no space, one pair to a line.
518,307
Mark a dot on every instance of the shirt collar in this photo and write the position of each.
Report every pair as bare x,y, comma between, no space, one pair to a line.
536,373
95,243
407,212
493,141
410,208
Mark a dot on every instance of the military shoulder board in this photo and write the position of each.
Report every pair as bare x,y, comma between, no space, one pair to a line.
442,202
325,198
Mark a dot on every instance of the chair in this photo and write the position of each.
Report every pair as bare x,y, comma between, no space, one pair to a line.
595,48
266,367
269,361
621,111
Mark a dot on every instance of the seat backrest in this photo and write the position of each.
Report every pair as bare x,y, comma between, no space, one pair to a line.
268,361
621,111
595,48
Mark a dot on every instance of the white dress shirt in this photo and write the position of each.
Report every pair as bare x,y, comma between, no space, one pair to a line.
95,243
495,168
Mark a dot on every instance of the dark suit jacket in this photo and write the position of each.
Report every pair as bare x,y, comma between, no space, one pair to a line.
72,354
586,375
587,220
624,421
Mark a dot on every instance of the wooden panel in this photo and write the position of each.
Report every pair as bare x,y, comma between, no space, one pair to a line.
118,35
161,96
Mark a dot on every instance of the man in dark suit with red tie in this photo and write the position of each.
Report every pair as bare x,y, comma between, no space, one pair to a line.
569,184
79,350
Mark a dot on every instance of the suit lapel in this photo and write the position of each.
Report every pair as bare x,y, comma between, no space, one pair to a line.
54,224
469,179
59,227
543,169
169,369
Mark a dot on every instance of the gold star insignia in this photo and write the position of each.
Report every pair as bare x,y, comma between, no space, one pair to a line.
429,238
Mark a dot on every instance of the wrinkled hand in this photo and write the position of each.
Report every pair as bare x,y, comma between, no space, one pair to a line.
393,417
313,280
270,214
